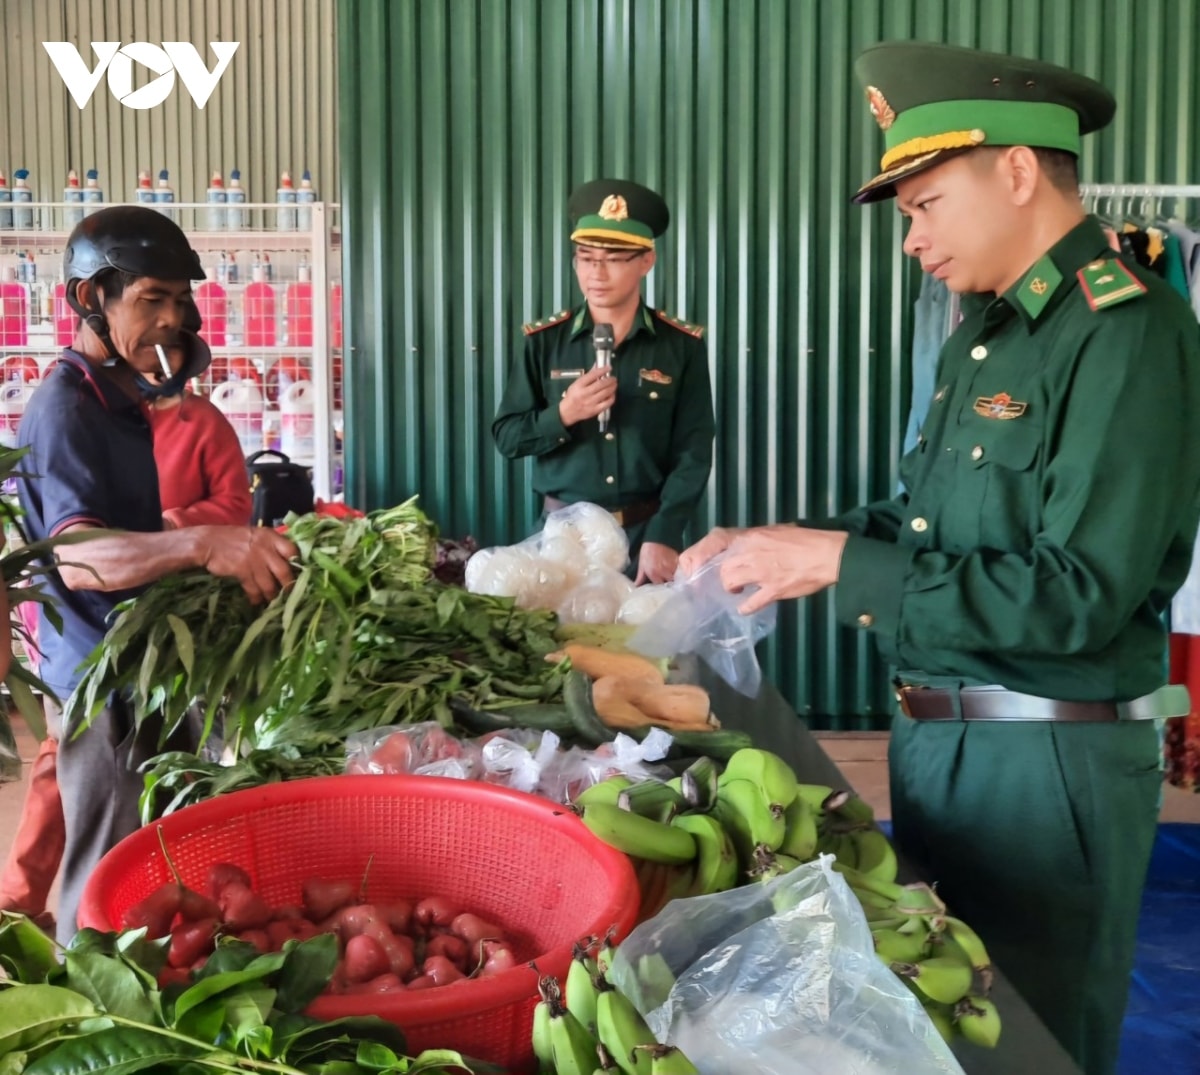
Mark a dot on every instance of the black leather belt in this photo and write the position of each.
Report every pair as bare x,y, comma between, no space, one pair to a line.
996,703
629,515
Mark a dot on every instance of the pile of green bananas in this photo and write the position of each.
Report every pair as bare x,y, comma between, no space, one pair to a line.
754,820
591,1028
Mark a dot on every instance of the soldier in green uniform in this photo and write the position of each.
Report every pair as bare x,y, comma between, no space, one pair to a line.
650,462
1019,585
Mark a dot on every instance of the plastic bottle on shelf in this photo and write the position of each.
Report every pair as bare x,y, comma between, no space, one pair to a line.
335,316
64,317
258,305
267,268
73,195
14,307
285,372
242,403
305,197
285,196
164,195
215,215
22,196
235,196
232,271
296,421
143,193
5,204
213,305
14,395
298,304
92,194
30,276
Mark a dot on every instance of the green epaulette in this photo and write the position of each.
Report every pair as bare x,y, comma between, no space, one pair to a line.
545,322
1108,282
683,326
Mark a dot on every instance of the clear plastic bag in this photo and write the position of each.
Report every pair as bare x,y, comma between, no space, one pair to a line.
597,599
604,542
702,617
784,973
571,771
643,603
425,749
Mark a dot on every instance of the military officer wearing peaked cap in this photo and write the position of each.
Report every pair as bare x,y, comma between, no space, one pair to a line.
650,465
1018,586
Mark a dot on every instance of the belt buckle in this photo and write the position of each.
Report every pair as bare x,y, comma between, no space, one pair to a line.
902,699
619,515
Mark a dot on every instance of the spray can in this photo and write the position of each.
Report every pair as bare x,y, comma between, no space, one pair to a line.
143,193
214,216
73,195
285,196
232,273
30,276
267,268
236,198
92,194
5,203
305,197
22,196
164,195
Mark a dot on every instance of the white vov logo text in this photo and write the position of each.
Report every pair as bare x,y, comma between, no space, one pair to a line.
174,57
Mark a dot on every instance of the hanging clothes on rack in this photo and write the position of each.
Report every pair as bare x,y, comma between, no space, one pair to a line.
1171,246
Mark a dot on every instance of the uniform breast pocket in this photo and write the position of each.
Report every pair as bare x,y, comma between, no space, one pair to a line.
653,391
1007,463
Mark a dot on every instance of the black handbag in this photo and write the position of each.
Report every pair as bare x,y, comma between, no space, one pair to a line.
277,486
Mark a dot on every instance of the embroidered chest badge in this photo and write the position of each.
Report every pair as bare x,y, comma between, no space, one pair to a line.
654,376
999,406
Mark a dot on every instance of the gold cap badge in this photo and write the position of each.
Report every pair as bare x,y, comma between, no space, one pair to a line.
883,112
614,208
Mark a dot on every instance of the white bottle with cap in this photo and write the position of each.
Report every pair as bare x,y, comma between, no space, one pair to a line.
73,196
305,197
164,195
92,194
22,196
143,193
5,203
235,196
285,196
214,215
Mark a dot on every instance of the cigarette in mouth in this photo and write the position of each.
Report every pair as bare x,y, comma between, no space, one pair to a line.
162,358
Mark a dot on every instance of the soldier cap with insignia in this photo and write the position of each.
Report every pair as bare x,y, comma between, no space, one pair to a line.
937,101
617,213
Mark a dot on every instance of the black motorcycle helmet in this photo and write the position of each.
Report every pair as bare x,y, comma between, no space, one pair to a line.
139,242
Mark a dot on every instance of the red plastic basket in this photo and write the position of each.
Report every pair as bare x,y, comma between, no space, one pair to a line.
523,862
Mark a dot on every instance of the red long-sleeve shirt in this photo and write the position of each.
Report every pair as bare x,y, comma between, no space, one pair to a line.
202,477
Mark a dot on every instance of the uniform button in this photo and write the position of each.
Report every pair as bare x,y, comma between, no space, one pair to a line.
865,620
920,438
939,395
977,452
654,395
562,440
919,525
610,436
610,479
979,352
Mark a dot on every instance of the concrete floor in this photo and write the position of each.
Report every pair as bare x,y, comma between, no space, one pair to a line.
861,756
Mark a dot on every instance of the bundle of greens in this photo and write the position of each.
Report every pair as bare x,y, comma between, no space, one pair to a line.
364,638
99,1007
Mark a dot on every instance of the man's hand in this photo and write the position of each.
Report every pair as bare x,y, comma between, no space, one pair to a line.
587,397
256,556
783,562
656,563
716,541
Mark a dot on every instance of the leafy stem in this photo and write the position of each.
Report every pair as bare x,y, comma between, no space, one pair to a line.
220,1059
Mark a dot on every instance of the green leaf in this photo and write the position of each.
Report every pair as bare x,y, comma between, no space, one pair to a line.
205,1022
377,1057
17,682
27,953
13,1063
215,984
28,1013
118,1051
437,1060
183,643
110,984
307,968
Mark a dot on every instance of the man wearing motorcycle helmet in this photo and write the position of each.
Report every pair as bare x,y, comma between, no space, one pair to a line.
91,467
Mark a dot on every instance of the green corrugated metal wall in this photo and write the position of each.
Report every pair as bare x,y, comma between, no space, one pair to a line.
465,123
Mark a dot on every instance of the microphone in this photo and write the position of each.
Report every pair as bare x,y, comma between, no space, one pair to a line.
602,340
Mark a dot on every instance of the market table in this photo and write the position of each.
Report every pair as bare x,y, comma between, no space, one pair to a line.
1025,1043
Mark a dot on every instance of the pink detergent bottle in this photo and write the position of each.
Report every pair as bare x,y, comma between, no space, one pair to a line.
64,317
214,309
14,308
259,309
300,309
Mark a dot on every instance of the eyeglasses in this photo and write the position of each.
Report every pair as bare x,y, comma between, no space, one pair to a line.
613,259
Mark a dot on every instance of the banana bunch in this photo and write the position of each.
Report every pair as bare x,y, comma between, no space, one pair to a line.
590,1028
709,830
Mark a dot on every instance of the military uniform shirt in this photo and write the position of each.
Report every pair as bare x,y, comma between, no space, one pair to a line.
1052,499
659,441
